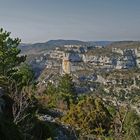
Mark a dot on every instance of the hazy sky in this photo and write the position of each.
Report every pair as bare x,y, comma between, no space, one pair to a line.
42,20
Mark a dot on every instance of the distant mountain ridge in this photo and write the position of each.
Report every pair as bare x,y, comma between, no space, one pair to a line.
61,42
100,43
28,48
124,44
51,44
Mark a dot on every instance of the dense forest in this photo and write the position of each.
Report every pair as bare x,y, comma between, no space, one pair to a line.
68,115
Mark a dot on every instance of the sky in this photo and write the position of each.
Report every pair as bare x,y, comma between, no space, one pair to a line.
88,20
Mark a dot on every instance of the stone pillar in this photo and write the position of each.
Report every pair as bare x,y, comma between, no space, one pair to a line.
66,66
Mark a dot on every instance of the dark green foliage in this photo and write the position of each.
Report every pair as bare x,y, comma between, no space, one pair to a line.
66,85
51,89
9,53
3,81
67,89
51,92
24,76
8,130
35,129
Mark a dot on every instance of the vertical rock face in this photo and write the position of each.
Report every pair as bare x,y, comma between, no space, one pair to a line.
70,62
66,66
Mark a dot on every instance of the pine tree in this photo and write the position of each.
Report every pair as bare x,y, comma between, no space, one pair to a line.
67,89
9,54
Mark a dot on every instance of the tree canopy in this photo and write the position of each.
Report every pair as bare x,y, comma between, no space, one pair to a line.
9,53
67,90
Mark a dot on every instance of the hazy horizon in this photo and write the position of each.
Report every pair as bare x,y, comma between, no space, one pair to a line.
87,20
